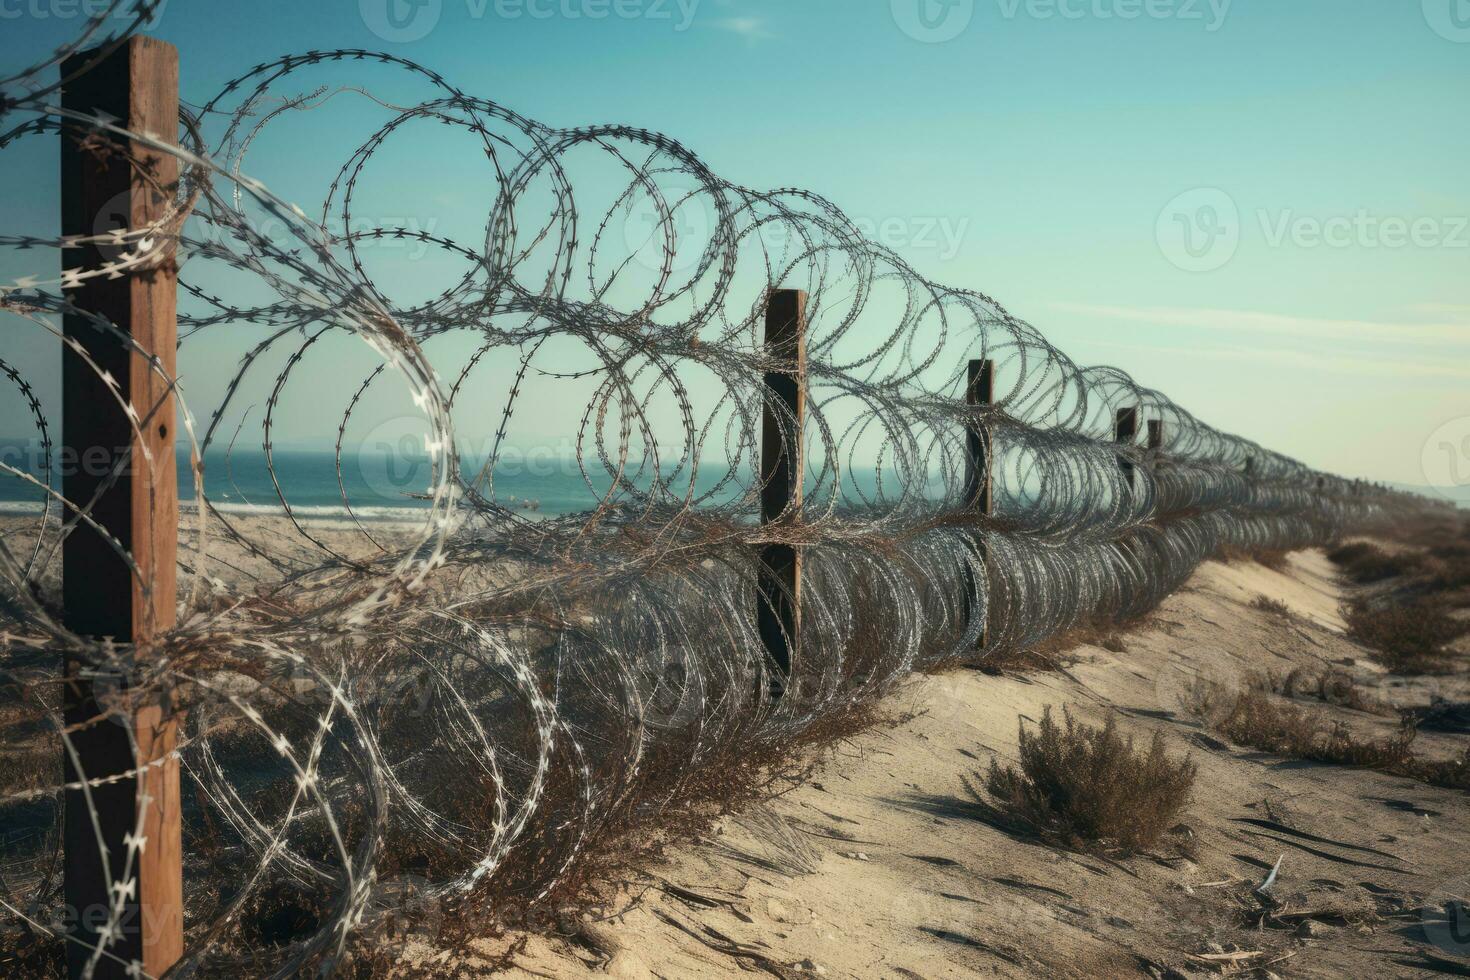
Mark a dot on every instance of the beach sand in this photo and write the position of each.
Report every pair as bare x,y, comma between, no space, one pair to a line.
880,868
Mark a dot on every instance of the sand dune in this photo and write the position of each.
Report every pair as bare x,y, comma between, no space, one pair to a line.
882,868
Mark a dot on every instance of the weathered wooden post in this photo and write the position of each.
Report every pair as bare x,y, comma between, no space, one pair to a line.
979,485
1125,430
1156,434
778,615
979,391
135,820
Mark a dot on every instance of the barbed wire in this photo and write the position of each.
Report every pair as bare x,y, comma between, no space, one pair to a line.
472,693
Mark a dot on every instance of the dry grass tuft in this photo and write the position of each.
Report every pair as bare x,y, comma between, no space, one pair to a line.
1449,564
1329,687
1272,558
1365,563
1090,789
1056,652
1409,637
1029,660
1255,719
1258,720
1274,607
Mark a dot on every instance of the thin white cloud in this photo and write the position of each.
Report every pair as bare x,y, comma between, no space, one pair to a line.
1280,324
751,28
1311,360
1458,311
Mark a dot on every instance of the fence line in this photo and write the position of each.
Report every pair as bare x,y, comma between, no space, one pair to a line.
811,473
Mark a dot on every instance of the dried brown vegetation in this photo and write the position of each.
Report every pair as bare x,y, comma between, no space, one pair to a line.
1328,686
1365,563
1410,622
1273,558
1257,719
1089,788
1406,637
1274,607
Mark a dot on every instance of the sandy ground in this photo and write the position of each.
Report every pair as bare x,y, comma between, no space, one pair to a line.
881,868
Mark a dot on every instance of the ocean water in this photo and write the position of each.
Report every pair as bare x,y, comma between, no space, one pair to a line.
384,487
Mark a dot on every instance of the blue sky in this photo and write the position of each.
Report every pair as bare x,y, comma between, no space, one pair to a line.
1259,207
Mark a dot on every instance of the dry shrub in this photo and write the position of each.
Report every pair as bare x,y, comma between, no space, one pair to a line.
1274,559
1407,638
1450,566
1329,687
1040,659
1056,652
1274,607
1255,719
1365,563
1089,788
1449,773
1428,530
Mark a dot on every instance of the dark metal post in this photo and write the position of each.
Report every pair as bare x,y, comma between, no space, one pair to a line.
979,485
1125,431
778,614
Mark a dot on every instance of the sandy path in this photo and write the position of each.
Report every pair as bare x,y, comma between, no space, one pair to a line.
880,868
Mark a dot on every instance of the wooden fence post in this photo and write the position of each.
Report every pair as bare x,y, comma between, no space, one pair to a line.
979,484
1125,430
137,819
1156,434
778,613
